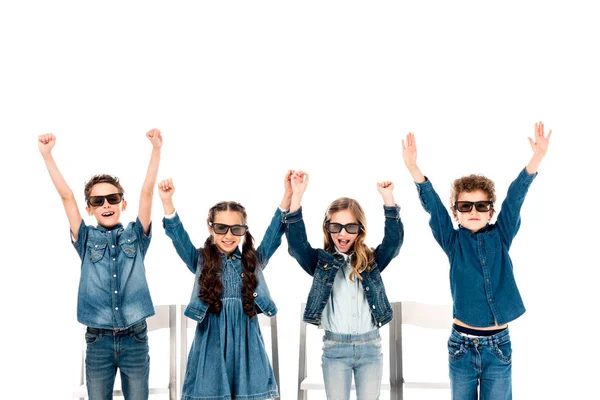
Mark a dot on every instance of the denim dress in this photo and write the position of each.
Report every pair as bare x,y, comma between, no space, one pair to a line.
228,359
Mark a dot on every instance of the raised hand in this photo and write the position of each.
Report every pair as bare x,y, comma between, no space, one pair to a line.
166,189
409,151
155,137
287,183
299,181
539,143
46,143
386,190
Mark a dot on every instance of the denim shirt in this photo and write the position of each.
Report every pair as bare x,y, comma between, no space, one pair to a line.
482,283
323,266
192,257
113,291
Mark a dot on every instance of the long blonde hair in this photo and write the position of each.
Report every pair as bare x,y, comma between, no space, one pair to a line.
363,255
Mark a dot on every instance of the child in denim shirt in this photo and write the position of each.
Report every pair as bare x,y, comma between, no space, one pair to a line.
347,298
113,299
484,292
227,359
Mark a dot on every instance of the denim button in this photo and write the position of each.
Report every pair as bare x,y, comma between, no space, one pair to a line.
269,313
474,341
234,258
367,288
254,294
490,300
117,308
113,246
116,291
242,275
114,275
373,306
114,259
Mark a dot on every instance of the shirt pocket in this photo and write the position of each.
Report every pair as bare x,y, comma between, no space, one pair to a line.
128,244
96,250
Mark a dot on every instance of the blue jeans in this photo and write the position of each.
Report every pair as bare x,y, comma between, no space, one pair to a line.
480,361
346,353
126,350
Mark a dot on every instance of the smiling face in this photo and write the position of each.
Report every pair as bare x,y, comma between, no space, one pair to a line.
227,242
473,220
343,240
107,215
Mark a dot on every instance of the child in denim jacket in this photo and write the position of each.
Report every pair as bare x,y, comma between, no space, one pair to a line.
347,298
484,291
227,359
114,299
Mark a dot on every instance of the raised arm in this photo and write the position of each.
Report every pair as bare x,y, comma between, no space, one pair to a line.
174,227
394,229
298,245
46,143
272,237
145,209
539,145
439,221
409,153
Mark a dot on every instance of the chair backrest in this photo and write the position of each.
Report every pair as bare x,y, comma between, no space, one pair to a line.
423,315
263,321
164,318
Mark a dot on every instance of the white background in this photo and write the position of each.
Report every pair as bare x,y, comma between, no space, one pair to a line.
243,91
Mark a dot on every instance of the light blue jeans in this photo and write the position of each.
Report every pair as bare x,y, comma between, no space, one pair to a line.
484,361
126,350
344,354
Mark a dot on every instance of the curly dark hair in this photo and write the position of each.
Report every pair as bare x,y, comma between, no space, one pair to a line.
101,178
471,183
211,286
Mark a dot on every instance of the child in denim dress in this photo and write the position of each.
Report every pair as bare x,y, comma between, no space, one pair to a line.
484,291
114,299
227,359
347,298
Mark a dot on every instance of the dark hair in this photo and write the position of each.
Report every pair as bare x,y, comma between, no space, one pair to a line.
101,178
471,183
211,286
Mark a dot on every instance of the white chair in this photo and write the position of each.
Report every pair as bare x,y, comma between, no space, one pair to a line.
164,318
429,316
264,322
422,315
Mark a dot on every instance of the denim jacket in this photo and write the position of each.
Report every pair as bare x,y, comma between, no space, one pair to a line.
323,266
482,283
113,291
192,257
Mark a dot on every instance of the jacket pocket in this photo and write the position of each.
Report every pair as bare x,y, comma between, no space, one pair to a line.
96,250
128,244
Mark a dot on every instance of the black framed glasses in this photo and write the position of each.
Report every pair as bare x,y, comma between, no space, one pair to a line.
467,206
236,230
97,201
334,227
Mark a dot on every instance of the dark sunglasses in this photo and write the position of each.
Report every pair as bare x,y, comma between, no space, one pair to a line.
337,228
236,230
467,206
97,201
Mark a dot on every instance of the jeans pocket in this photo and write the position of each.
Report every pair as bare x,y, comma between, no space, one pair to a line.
503,351
455,351
141,336
329,344
91,338
375,343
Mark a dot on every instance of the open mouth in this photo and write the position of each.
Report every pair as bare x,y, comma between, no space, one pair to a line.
343,242
108,214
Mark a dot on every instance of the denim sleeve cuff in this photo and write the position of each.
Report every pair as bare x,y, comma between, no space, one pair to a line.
293,217
171,222
525,176
392,211
424,187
